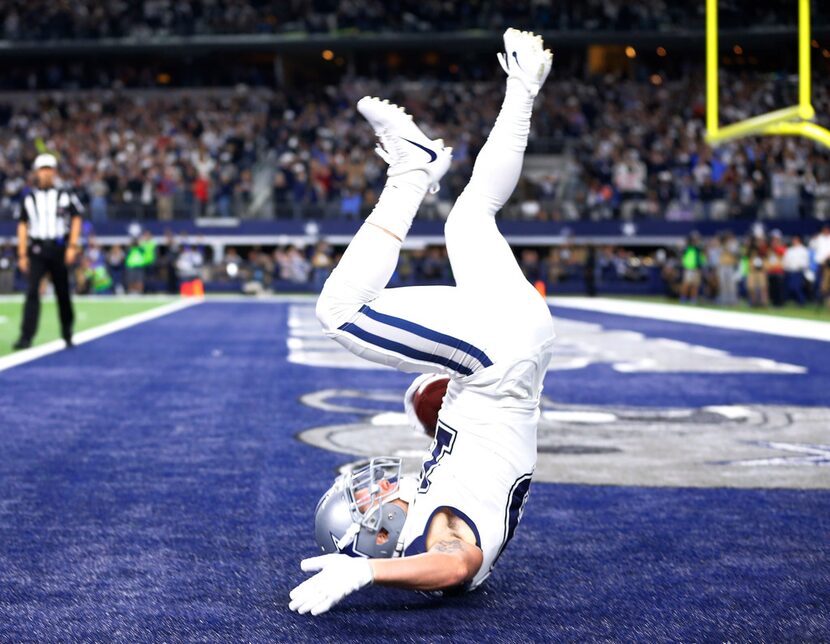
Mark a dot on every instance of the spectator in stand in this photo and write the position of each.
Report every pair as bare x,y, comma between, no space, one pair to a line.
7,268
711,286
434,266
350,204
258,272
321,264
727,267
294,267
775,268
201,195
590,271
115,265
786,190
225,192
165,193
98,190
796,264
243,193
820,246
756,280
531,265
149,250
189,263
167,262
204,166
134,264
693,261
630,182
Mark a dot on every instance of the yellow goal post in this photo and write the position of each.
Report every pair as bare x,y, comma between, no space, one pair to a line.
788,121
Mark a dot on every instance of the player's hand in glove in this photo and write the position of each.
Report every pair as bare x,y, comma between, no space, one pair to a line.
338,577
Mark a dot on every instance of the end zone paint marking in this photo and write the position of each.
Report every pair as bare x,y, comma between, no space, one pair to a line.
82,337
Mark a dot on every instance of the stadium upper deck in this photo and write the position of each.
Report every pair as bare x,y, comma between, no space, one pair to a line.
90,19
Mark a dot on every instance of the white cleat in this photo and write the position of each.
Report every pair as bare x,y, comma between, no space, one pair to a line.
402,144
525,58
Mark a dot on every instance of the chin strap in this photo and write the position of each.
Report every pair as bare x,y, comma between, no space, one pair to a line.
348,537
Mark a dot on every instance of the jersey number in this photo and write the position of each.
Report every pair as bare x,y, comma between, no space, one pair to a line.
441,444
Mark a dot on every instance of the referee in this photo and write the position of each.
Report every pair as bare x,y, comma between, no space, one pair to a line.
49,224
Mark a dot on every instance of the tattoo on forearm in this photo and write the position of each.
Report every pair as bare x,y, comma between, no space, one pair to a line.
447,546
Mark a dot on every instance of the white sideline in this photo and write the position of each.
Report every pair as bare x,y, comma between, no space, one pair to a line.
27,355
103,299
757,323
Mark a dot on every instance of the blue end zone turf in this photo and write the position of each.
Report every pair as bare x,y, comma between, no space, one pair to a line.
152,489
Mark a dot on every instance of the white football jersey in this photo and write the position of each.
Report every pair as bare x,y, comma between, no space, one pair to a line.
483,455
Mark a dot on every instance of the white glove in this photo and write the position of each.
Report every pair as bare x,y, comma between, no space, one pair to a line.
338,577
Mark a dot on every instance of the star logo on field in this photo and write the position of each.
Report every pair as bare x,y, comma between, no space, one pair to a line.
801,454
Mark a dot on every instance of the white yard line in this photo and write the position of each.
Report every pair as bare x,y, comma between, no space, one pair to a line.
27,355
757,323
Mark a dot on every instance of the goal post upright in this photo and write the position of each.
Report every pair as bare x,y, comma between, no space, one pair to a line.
712,122
788,121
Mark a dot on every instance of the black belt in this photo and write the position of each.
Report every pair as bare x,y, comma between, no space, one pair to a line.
49,242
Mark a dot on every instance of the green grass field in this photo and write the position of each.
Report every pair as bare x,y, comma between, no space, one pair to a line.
89,312
809,312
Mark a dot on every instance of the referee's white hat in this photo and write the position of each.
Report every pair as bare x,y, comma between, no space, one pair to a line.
45,160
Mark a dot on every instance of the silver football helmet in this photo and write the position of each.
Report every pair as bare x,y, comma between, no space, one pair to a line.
358,508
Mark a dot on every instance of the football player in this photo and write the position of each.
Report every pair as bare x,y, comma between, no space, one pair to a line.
491,335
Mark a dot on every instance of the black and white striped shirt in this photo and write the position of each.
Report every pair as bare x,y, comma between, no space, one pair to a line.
48,212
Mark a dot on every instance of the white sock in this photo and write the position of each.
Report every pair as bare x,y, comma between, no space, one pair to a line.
512,126
499,163
372,256
399,202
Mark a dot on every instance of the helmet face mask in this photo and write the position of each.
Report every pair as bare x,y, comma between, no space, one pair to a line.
357,510
367,492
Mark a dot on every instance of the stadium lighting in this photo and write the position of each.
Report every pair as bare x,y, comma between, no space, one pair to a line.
630,52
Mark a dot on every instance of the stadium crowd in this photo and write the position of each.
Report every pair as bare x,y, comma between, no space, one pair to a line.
629,149
41,19
148,154
762,270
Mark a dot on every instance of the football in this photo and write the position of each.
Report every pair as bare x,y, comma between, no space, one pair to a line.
427,402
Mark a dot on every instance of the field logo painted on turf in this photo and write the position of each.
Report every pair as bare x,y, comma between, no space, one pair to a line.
742,446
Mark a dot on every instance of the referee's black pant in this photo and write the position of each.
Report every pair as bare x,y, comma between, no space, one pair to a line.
47,257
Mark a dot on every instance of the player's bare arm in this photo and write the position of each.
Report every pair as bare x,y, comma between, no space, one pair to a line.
452,559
